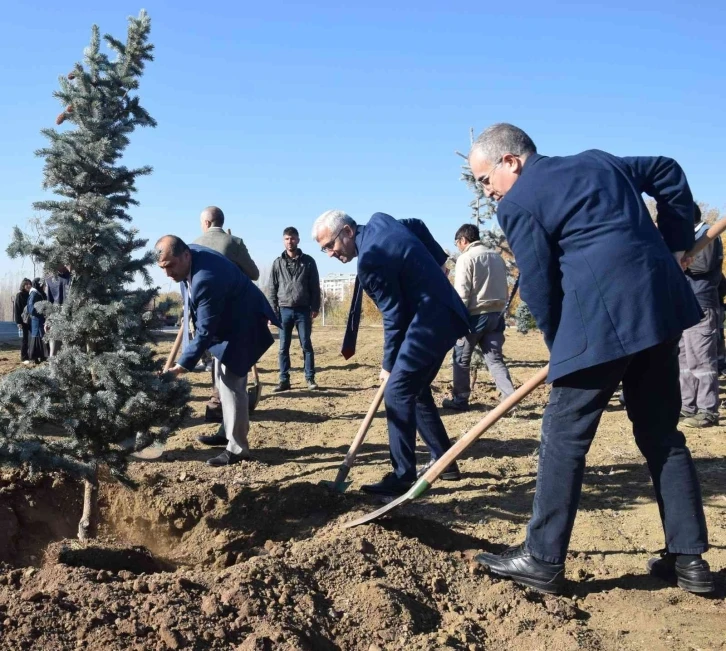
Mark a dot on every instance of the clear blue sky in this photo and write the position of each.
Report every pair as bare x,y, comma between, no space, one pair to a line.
278,111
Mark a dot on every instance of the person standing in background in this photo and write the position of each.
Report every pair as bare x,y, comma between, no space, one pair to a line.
36,348
295,297
21,300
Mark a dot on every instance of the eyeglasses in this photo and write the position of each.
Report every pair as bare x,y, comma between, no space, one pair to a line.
484,180
329,246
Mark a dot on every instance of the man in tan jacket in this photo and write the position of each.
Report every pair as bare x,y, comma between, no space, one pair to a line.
481,282
216,238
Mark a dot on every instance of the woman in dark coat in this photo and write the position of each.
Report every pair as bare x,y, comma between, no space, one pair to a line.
21,300
36,349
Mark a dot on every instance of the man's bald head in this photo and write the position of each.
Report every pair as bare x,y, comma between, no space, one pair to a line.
211,216
174,257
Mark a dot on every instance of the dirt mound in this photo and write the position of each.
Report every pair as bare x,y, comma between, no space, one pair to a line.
252,556
353,589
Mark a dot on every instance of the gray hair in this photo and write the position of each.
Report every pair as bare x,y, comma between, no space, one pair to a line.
500,139
333,220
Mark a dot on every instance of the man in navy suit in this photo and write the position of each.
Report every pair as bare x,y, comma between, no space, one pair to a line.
230,316
422,319
602,283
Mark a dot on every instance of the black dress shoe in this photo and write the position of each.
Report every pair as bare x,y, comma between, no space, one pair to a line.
283,386
215,439
389,486
693,576
452,473
518,564
227,458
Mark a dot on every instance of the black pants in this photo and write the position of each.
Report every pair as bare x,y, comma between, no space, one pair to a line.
653,401
24,345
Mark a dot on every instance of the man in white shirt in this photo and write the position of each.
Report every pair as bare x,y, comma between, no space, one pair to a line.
481,282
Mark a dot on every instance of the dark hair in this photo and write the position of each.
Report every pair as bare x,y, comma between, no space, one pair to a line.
214,215
291,230
22,283
696,213
468,231
175,245
38,284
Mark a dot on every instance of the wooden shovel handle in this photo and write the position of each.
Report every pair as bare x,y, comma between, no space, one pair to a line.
175,348
484,424
709,236
363,429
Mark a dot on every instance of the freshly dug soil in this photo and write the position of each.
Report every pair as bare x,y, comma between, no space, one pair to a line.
252,556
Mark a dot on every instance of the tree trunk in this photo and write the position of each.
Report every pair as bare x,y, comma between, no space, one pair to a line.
89,520
473,374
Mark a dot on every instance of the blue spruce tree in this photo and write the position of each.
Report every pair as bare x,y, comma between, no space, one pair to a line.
104,386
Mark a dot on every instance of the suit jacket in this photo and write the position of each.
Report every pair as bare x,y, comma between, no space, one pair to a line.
230,313
231,247
422,314
596,272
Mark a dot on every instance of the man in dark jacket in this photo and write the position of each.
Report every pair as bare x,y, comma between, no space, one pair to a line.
295,297
611,301
698,358
230,316
233,248
21,300
399,267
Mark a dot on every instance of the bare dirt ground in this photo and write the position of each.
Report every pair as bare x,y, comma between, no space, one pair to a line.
252,556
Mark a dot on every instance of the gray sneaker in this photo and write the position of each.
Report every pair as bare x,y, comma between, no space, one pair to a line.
312,384
701,419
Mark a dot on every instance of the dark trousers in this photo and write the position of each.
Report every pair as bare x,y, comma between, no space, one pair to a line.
410,406
301,319
24,344
653,401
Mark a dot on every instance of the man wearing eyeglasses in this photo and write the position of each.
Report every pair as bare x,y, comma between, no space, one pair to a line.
399,267
611,301
295,297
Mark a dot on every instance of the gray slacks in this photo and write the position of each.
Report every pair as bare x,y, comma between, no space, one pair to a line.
235,411
698,361
491,344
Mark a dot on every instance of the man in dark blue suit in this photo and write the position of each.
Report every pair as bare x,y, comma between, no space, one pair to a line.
602,283
422,319
230,315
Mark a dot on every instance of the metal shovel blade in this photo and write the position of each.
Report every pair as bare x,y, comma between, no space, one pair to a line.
339,485
153,451
254,393
420,487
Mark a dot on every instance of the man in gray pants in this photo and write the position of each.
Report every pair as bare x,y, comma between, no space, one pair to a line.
698,354
481,282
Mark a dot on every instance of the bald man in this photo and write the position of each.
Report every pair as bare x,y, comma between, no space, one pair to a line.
230,315
216,238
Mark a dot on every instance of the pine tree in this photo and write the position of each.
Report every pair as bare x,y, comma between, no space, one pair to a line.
103,387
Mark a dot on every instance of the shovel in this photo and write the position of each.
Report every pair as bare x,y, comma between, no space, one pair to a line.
340,484
424,483
254,391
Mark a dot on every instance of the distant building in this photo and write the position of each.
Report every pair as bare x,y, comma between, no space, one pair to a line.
335,285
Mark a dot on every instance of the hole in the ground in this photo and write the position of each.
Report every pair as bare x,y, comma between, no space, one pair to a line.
138,560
